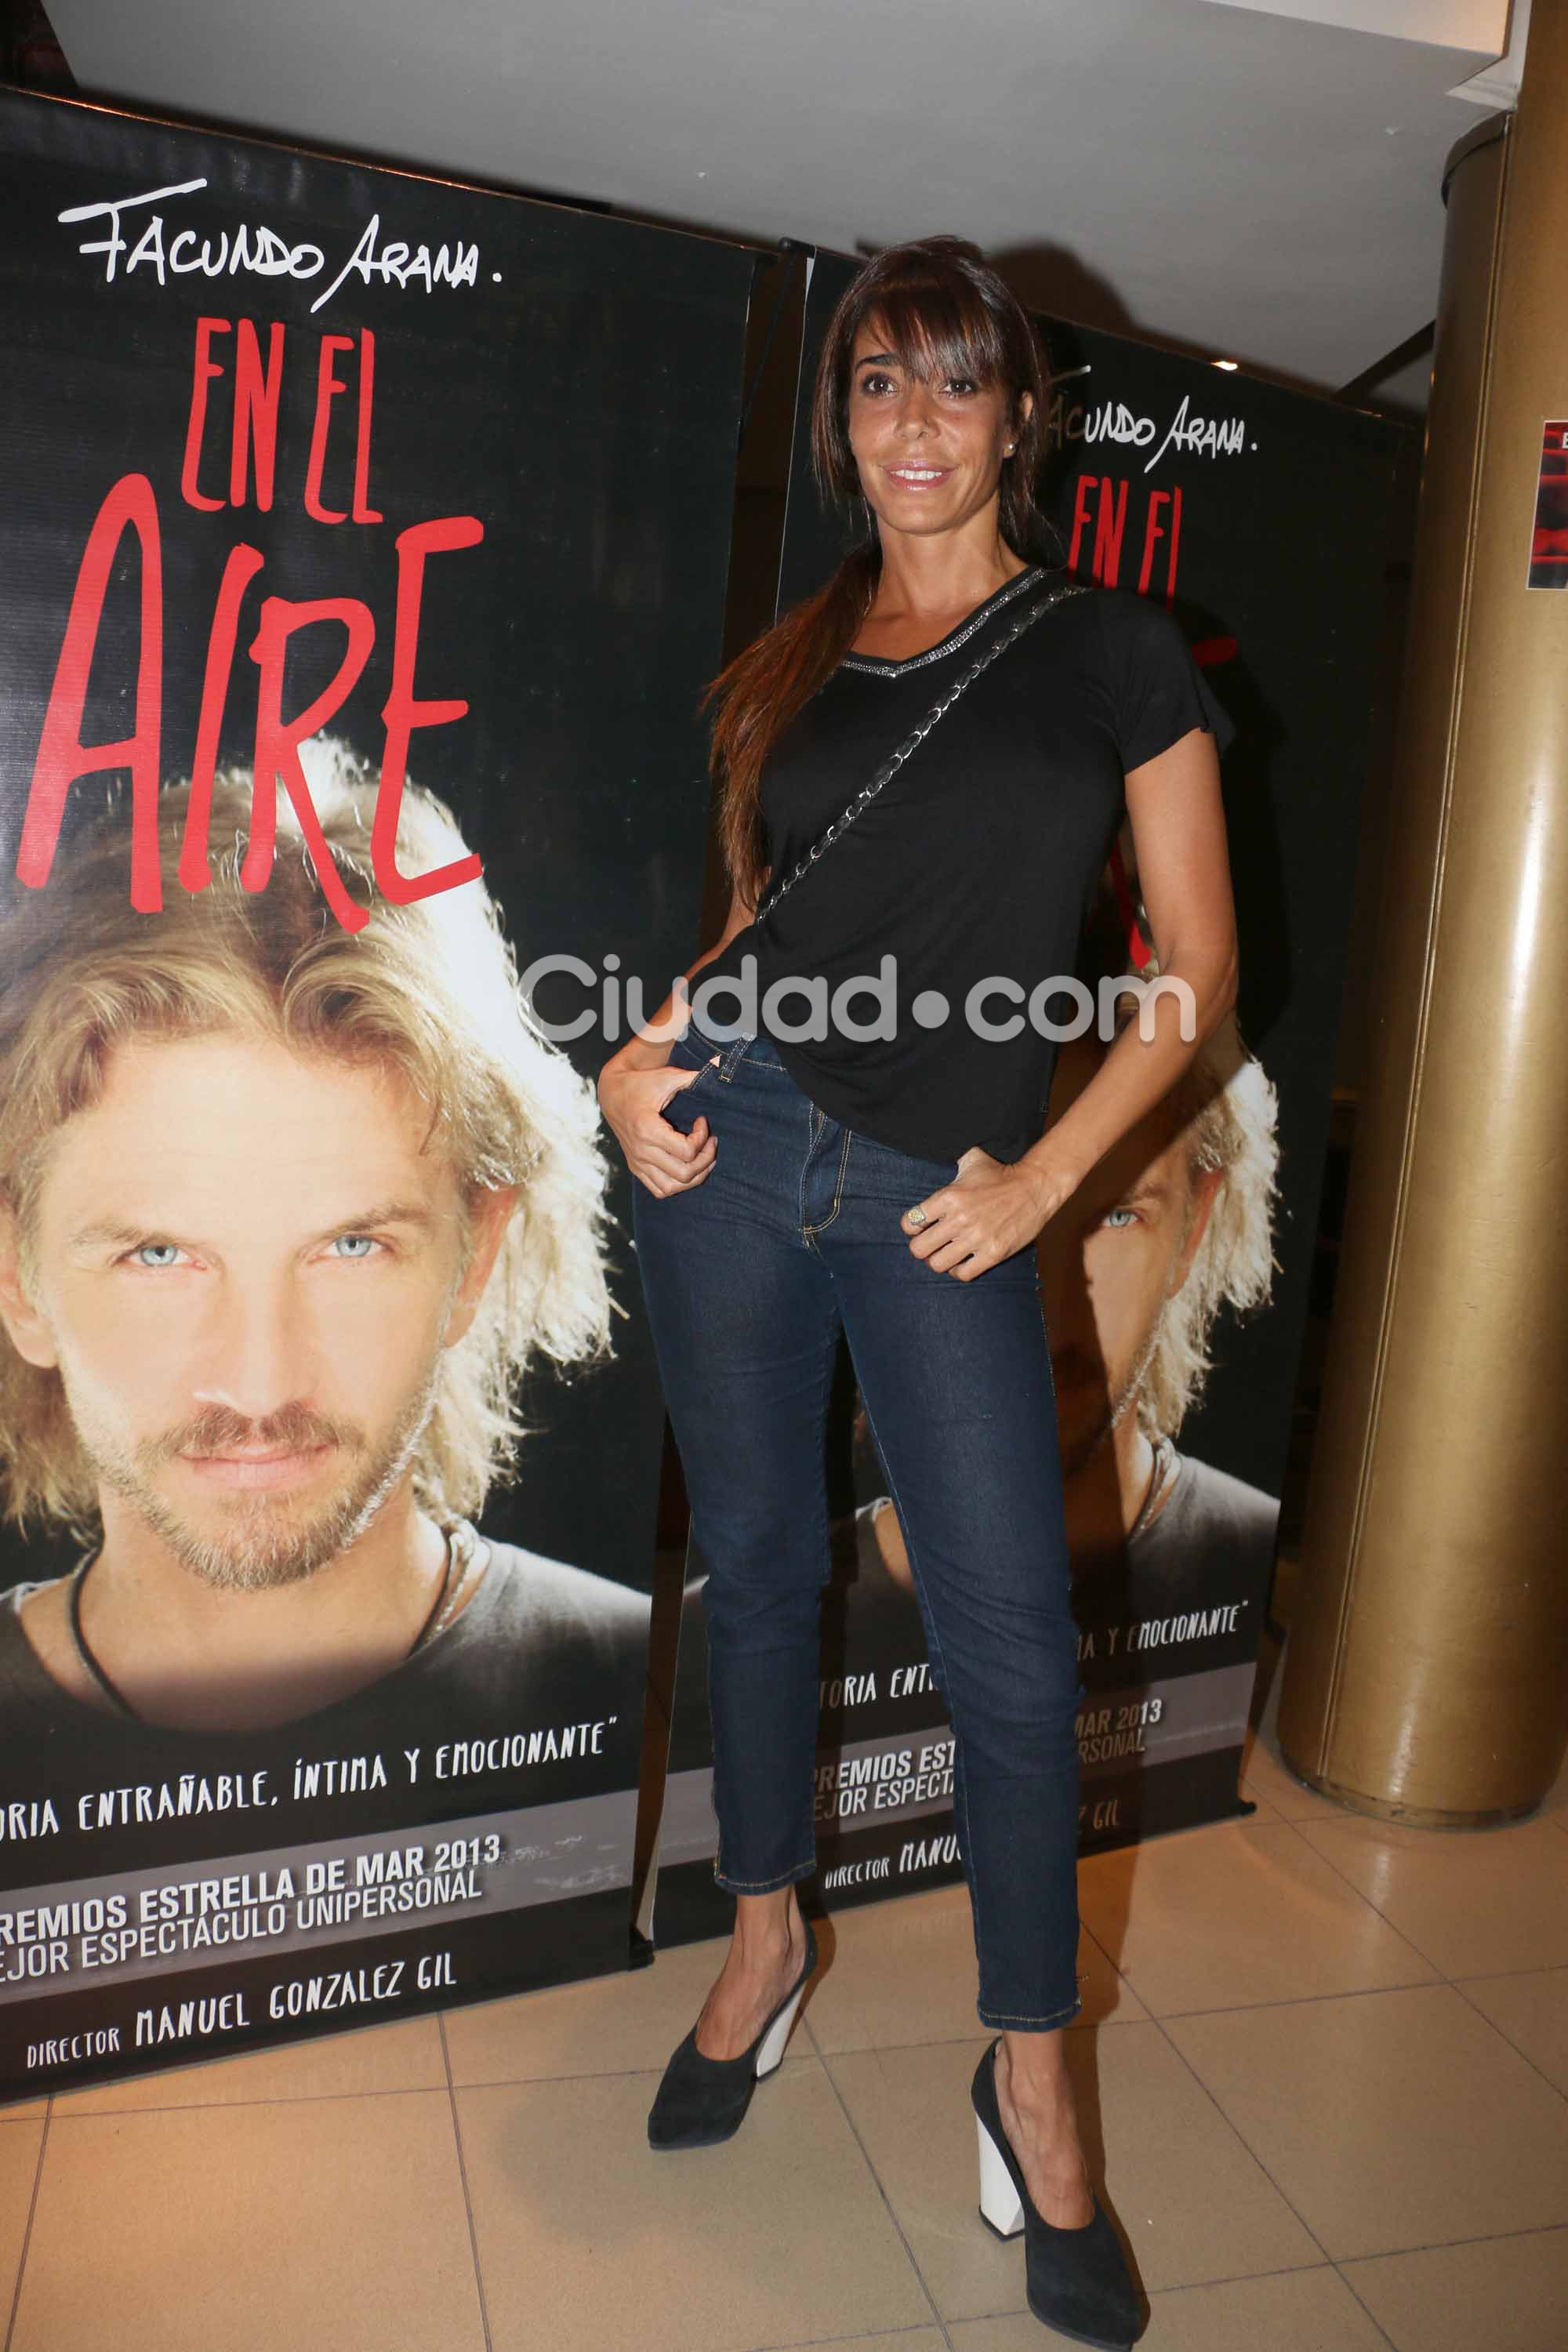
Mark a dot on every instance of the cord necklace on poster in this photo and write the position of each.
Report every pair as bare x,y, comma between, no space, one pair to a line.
1164,1455
459,1545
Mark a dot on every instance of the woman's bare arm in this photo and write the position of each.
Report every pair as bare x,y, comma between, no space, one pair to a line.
1178,833
645,1052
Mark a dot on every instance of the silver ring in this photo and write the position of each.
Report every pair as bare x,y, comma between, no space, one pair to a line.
914,1216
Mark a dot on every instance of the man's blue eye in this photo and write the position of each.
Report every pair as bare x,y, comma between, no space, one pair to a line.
1111,1215
355,1245
155,1254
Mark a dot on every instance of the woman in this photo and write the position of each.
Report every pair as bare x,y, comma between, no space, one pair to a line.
884,1174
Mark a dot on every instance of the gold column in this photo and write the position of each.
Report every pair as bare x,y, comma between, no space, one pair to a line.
1425,1677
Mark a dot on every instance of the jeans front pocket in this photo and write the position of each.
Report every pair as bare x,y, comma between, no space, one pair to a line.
687,1053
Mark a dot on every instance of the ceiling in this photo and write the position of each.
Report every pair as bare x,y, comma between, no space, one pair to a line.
1258,181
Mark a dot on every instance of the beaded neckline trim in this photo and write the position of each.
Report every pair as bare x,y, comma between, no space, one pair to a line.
874,666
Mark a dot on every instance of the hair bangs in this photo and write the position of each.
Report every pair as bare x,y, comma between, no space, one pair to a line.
939,327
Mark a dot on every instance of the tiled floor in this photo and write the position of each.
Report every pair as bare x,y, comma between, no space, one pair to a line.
1328,2064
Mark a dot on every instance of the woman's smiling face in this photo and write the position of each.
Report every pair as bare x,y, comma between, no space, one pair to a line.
930,453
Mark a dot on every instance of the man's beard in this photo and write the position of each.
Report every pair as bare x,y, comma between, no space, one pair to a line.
262,1546
1088,1375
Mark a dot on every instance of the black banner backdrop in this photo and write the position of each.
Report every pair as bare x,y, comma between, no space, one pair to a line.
1267,521
344,475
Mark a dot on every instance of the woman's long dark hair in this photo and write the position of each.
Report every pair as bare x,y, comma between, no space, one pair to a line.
946,313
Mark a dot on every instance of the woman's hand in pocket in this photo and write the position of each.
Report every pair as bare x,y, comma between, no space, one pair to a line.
658,1154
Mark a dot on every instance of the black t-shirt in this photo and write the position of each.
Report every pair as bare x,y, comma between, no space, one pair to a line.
979,858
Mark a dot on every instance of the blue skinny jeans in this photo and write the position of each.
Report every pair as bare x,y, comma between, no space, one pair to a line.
749,1278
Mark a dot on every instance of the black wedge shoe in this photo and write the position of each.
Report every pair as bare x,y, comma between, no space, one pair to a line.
702,2101
1078,2280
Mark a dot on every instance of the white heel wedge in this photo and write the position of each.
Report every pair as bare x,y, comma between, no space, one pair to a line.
771,2050
1001,2207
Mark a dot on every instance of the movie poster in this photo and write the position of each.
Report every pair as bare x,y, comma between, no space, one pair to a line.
1175,1283
1549,531
363,555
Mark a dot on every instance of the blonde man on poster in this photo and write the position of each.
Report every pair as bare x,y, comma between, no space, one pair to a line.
285,1215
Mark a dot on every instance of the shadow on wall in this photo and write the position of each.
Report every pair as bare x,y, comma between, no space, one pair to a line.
1049,280
30,56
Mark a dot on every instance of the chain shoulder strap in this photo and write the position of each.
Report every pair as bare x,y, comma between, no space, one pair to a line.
1057,594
